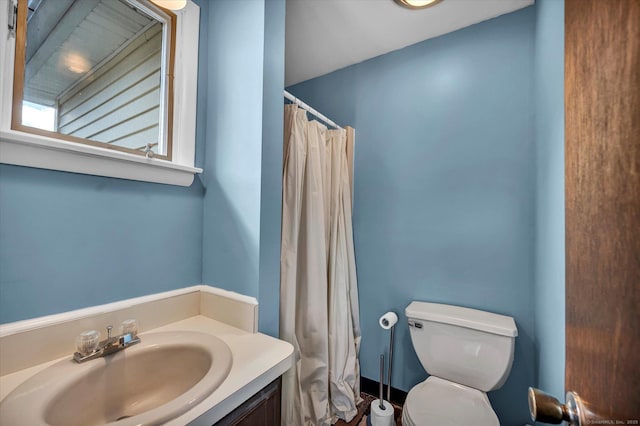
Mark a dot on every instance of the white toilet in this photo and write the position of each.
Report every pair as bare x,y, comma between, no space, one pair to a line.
467,353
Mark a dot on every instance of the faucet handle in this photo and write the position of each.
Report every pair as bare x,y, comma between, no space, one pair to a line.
129,326
87,341
109,328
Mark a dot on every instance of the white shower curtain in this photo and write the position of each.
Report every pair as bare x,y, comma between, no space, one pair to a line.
319,312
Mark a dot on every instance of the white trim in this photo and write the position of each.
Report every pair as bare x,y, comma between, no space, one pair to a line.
49,320
228,294
54,154
233,308
55,319
185,84
30,150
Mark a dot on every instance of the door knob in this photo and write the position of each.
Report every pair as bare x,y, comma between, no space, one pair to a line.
547,409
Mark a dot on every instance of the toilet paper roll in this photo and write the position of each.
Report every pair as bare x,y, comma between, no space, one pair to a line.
388,320
380,417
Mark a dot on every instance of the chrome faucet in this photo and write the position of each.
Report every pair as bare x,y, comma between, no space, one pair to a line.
90,348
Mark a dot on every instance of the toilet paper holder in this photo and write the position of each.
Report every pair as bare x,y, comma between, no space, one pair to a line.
388,322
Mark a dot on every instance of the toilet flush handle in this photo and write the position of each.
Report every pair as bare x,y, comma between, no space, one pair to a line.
547,409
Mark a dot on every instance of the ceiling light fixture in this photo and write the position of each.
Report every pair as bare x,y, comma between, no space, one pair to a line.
171,4
417,4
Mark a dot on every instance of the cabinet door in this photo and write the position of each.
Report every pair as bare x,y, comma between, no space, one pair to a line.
262,409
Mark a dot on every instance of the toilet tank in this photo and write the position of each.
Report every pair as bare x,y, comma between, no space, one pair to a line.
462,345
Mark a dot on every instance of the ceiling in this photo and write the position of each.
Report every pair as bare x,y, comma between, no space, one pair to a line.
325,35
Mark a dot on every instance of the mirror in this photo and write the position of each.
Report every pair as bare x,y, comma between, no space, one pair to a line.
96,72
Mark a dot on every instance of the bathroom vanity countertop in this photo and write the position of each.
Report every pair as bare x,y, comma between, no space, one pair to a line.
251,369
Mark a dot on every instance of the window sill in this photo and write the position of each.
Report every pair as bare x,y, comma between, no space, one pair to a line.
22,149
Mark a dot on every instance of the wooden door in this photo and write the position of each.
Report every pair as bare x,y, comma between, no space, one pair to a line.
602,171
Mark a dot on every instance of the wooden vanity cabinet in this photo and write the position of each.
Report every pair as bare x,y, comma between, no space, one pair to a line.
262,409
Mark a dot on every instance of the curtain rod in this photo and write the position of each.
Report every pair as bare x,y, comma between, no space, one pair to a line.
309,109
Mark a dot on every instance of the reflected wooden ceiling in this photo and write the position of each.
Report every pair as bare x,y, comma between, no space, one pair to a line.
67,39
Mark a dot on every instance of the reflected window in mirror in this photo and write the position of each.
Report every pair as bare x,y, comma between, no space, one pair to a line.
96,72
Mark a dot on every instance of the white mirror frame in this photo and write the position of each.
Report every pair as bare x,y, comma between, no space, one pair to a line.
25,149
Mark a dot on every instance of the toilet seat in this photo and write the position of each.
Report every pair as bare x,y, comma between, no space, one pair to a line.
439,402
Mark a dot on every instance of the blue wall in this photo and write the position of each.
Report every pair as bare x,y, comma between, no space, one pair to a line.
243,151
444,186
271,184
448,189
69,241
549,131
233,157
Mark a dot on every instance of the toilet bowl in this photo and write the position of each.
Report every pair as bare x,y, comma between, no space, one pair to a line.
467,353
443,403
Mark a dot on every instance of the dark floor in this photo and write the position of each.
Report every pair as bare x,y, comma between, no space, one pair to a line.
363,411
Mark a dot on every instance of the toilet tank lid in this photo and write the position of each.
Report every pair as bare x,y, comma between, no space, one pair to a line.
463,317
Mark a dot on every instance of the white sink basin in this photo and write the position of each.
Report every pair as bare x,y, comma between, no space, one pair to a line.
146,384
